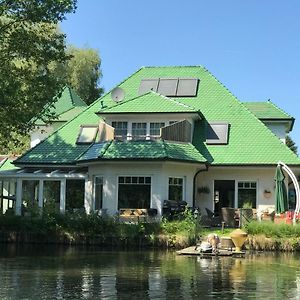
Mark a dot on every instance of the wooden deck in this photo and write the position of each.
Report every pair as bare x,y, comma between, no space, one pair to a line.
192,251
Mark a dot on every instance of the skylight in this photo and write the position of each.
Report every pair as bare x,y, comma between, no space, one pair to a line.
87,134
217,133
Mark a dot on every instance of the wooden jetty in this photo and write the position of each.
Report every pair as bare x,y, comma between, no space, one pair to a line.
194,250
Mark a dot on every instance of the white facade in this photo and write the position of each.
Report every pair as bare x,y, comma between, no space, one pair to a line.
264,178
159,173
280,129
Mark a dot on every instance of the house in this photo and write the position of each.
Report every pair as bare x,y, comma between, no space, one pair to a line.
163,133
67,105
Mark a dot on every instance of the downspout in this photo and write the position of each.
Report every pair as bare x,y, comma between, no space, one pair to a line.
194,182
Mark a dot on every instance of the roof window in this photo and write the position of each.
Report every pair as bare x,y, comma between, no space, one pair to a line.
87,134
217,133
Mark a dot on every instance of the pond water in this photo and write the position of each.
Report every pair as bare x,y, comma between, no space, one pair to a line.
48,272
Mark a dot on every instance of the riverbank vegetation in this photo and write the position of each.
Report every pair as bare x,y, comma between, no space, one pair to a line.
79,228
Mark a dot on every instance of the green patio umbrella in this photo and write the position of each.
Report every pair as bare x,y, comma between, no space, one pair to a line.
280,192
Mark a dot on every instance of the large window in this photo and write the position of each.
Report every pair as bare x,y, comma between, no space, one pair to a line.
155,129
134,192
176,188
120,130
139,131
247,194
98,186
75,194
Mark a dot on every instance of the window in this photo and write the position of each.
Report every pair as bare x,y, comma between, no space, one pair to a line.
87,134
247,194
120,130
139,130
155,129
217,133
175,188
134,192
98,192
75,189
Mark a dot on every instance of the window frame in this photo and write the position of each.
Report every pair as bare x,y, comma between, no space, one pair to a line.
118,136
94,192
244,182
132,176
82,127
183,178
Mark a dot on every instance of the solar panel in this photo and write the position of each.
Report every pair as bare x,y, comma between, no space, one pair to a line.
217,133
187,87
167,86
148,85
87,134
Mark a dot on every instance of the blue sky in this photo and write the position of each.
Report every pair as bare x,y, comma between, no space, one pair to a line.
251,46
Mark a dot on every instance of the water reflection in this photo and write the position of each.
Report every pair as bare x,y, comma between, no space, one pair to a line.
79,273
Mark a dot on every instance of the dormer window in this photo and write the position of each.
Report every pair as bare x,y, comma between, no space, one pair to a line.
87,134
139,131
121,129
155,129
217,133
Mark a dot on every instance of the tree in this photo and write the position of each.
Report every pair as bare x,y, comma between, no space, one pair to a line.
29,44
291,144
83,73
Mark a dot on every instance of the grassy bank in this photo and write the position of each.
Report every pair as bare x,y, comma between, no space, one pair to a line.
268,236
93,229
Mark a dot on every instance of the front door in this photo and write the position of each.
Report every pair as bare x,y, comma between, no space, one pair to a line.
223,195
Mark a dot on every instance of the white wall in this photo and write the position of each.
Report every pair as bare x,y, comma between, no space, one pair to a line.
279,129
159,172
264,177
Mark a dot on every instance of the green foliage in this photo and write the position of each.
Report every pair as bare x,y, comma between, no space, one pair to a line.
83,73
29,44
270,229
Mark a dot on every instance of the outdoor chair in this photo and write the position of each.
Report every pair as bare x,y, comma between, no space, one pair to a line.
229,216
214,220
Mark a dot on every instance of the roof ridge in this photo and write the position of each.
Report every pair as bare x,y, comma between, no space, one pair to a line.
174,66
280,109
105,148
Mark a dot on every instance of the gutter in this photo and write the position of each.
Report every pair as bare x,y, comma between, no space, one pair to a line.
194,182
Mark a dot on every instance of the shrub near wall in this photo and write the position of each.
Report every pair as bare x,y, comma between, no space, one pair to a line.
271,236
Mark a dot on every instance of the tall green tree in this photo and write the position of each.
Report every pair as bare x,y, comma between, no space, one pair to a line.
291,144
83,72
29,44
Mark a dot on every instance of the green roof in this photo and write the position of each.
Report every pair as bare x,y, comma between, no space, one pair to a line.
145,150
266,110
6,165
150,102
68,104
250,141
